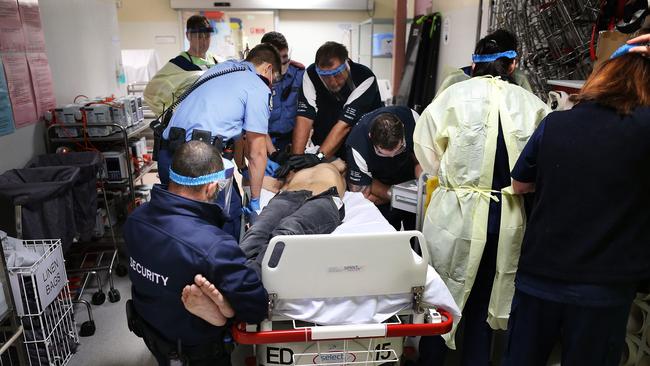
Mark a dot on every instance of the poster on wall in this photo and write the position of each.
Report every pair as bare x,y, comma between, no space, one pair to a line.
26,91
6,116
20,89
39,70
11,28
32,27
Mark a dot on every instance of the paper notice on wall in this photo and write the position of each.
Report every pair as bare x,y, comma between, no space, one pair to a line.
6,116
20,89
11,28
39,70
32,27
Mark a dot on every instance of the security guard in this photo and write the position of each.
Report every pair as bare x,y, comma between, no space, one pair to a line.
183,70
285,95
380,154
169,241
335,93
219,111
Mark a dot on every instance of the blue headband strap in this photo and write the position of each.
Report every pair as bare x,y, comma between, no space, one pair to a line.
493,56
338,70
204,179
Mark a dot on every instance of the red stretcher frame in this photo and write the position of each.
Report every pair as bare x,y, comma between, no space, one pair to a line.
242,336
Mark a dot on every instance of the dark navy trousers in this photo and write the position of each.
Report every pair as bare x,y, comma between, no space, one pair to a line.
291,213
589,335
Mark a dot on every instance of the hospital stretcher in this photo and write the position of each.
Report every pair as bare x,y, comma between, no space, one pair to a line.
327,270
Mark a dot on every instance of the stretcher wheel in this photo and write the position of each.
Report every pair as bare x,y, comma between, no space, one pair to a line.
121,270
114,295
98,298
87,328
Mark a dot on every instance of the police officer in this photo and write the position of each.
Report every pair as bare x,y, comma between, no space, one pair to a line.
335,93
380,154
171,239
285,95
180,72
220,110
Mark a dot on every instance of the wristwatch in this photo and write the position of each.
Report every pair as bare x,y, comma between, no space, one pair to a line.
320,155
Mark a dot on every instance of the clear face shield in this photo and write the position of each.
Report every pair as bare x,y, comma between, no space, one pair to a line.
226,185
199,39
336,78
223,178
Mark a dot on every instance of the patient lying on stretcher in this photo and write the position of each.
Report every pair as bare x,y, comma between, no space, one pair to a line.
308,202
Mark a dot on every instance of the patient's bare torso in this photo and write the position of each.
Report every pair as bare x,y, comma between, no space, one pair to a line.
317,180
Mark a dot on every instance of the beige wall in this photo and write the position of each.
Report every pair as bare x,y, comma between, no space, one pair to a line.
386,8
459,24
263,20
141,21
307,30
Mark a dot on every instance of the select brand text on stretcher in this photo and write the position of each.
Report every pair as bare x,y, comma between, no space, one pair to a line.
148,274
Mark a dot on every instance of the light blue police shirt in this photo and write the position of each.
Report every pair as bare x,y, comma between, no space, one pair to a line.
225,105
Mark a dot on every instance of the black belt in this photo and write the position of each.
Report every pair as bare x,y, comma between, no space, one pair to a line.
226,147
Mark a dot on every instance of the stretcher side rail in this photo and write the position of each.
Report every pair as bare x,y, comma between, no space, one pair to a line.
242,336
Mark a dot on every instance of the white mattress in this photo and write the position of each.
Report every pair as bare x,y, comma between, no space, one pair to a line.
362,216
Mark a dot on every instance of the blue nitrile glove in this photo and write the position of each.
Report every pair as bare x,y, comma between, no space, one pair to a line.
271,166
252,208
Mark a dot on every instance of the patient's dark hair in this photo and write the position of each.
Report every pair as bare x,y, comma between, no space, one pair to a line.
497,42
386,131
265,52
194,159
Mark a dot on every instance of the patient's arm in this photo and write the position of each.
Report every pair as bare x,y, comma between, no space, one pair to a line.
271,184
